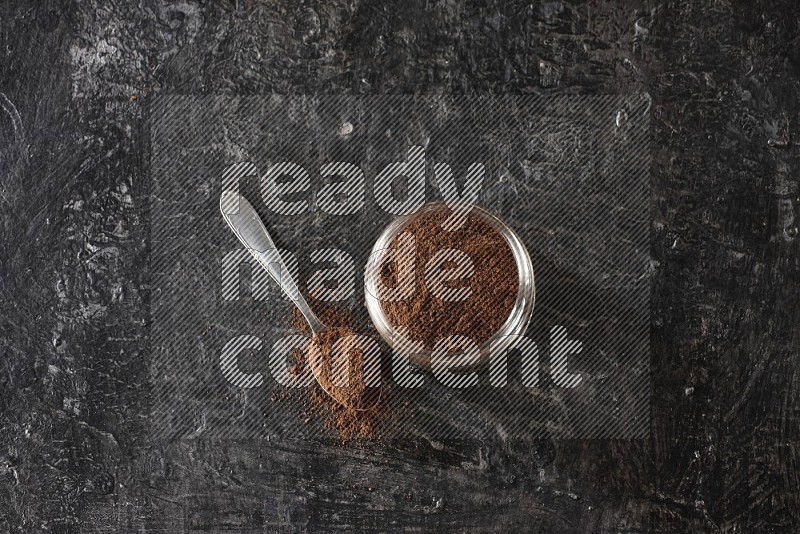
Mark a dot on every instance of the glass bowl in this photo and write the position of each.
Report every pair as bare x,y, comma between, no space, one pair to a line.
515,324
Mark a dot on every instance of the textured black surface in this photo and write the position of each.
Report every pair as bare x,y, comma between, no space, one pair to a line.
724,447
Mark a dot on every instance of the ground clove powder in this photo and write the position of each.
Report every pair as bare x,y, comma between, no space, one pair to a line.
358,412
493,283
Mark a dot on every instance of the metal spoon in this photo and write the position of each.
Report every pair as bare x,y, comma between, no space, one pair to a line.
248,227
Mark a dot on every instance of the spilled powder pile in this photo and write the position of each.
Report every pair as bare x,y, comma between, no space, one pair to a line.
358,411
493,283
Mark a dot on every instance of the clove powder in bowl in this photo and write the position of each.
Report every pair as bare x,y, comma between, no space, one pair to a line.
435,281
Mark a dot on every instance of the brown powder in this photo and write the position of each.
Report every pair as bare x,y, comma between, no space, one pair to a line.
299,362
494,282
358,411
348,385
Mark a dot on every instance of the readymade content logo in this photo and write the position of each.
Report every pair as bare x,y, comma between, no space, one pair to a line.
442,276
433,222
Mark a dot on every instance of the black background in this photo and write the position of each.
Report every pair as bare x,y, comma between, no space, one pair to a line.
75,79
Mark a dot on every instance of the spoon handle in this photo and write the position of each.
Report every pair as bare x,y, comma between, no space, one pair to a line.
248,227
